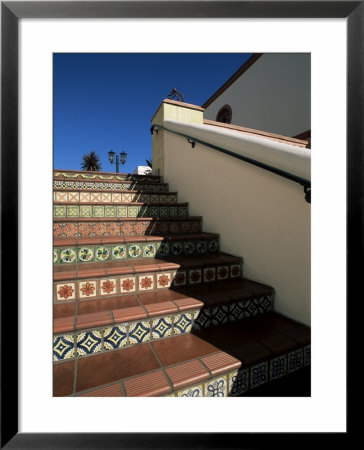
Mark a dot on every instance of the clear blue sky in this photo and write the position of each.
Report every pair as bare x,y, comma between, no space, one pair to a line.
105,101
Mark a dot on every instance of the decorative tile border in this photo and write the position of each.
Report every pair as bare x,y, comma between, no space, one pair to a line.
219,315
114,337
117,211
69,290
119,228
109,186
112,197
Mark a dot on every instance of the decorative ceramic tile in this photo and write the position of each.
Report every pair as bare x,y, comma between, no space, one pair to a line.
278,367
294,360
220,314
116,197
189,248
60,196
133,211
122,211
177,248
164,211
182,211
180,278
98,211
239,382
95,197
85,197
59,211
135,251
119,252
164,280
106,197
127,284
161,327
108,287
73,211
154,211
235,271
213,246
201,247
110,211
87,289
183,323
65,292
102,253
63,347
164,249
146,198
55,256
85,254
126,198
216,387
265,304
88,342
115,337
86,211
251,307
209,274
139,332
194,276
149,250
146,282
68,255
258,374
307,355
203,319
222,272
195,391
237,311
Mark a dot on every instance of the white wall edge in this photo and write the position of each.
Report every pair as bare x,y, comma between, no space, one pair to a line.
287,157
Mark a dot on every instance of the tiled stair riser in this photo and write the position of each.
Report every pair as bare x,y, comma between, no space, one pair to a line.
114,337
70,229
118,211
60,175
134,250
112,197
239,382
110,186
93,288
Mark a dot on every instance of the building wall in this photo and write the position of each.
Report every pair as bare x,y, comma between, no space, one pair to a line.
273,95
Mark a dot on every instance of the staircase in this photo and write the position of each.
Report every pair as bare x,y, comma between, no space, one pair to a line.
147,304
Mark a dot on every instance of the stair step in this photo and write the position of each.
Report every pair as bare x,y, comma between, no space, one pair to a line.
109,227
112,210
87,250
228,360
97,280
103,176
129,320
98,185
90,196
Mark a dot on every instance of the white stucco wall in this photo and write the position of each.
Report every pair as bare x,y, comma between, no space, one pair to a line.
273,95
259,216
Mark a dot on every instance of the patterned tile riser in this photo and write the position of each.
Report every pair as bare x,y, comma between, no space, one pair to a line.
114,337
99,186
71,255
70,290
239,382
69,211
99,176
119,228
219,315
112,197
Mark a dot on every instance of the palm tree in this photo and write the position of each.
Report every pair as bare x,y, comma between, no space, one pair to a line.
149,162
91,162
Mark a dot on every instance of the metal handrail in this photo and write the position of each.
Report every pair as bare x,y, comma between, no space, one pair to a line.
289,176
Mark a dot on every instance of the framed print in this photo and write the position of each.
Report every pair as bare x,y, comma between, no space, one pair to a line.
31,34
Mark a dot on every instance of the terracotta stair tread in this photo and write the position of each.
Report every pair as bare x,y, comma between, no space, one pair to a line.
97,240
118,309
165,366
98,269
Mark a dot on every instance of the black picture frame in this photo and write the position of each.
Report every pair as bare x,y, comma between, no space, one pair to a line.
11,12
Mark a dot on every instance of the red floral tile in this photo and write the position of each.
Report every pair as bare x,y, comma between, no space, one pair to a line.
65,292
87,289
108,287
146,282
127,284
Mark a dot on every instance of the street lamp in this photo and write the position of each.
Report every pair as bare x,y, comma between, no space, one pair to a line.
123,159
